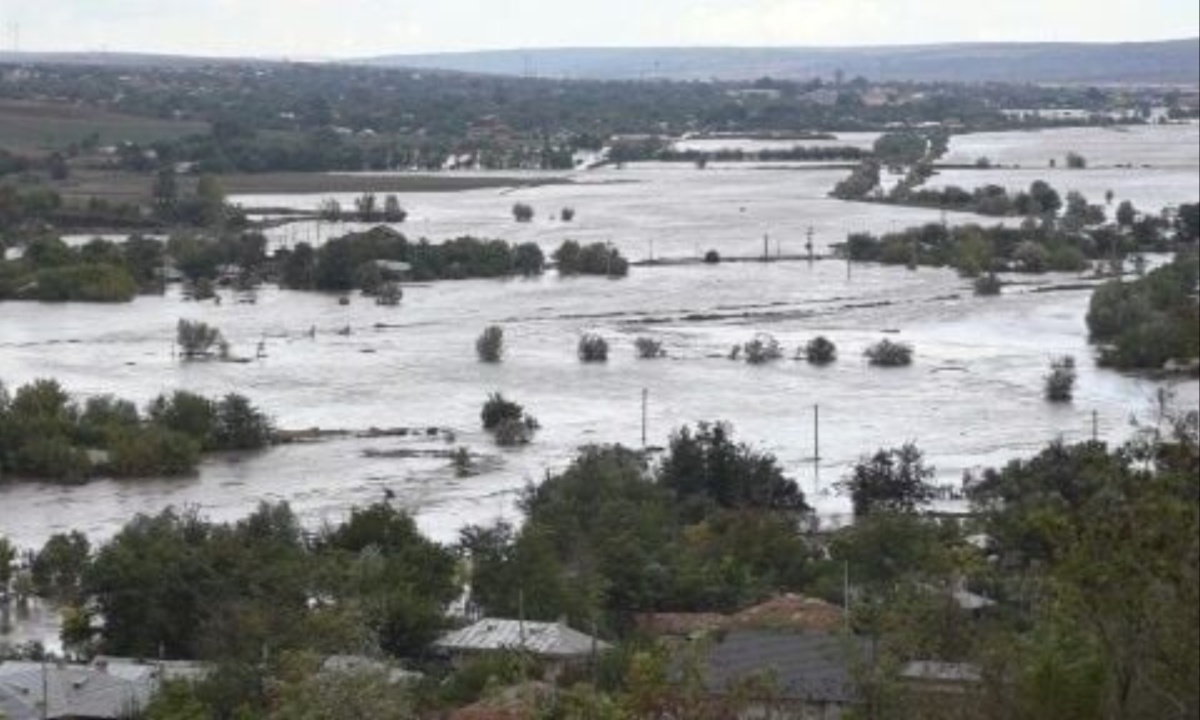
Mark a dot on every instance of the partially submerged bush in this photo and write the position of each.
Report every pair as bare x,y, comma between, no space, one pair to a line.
199,340
988,285
522,213
1060,383
490,345
463,465
497,409
507,421
764,348
649,348
886,353
820,351
712,257
593,348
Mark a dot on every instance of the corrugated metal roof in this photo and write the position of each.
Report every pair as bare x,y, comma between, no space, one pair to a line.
802,666
942,671
545,639
73,690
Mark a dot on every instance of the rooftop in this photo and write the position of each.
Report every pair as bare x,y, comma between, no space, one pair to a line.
801,666
544,639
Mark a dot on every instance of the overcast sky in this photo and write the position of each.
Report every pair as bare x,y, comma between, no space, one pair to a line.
354,28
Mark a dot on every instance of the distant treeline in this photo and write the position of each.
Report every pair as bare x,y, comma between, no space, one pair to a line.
795,154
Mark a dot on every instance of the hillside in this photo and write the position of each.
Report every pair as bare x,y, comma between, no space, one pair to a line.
1167,62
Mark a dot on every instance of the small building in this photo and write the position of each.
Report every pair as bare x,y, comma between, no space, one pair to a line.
804,676
108,689
29,691
555,644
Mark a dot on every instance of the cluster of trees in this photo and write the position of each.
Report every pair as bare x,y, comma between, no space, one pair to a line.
1148,322
975,250
45,434
367,209
799,153
1087,554
713,528
571,258
100,271
352,262
507,421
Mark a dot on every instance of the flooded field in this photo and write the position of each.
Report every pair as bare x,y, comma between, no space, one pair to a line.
972,399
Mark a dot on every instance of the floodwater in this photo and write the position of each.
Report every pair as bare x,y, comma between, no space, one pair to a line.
972,398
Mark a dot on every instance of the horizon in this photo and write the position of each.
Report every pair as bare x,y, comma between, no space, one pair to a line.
359,29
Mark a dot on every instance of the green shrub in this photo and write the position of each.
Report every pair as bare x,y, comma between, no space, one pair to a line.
508,422
649,348
886,353
490,345
593,348
238,425
152,451
987,285
497,409
820,351
199,340
528,259
763,348
1060,383
522,212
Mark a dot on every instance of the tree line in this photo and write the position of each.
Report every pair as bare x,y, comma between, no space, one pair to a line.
46,434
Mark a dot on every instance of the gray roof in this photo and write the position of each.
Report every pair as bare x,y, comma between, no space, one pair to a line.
942,672
544,639
71,691
802,666
352,664
14,708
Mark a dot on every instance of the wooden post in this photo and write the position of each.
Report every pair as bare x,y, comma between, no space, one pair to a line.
1095,426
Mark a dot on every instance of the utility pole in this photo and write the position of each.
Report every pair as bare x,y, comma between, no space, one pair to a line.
766,247
816,433
645,402
1095,426
809,245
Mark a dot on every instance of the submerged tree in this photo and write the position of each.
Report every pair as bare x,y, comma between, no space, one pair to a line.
895,480
197,339
489,346
1060,383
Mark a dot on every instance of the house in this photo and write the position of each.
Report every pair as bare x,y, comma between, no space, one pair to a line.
555,644
77,692
807,676
551,641
108,689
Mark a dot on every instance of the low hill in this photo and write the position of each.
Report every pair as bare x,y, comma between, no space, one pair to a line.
1163,62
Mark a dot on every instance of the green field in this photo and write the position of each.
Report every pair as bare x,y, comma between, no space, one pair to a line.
36,127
